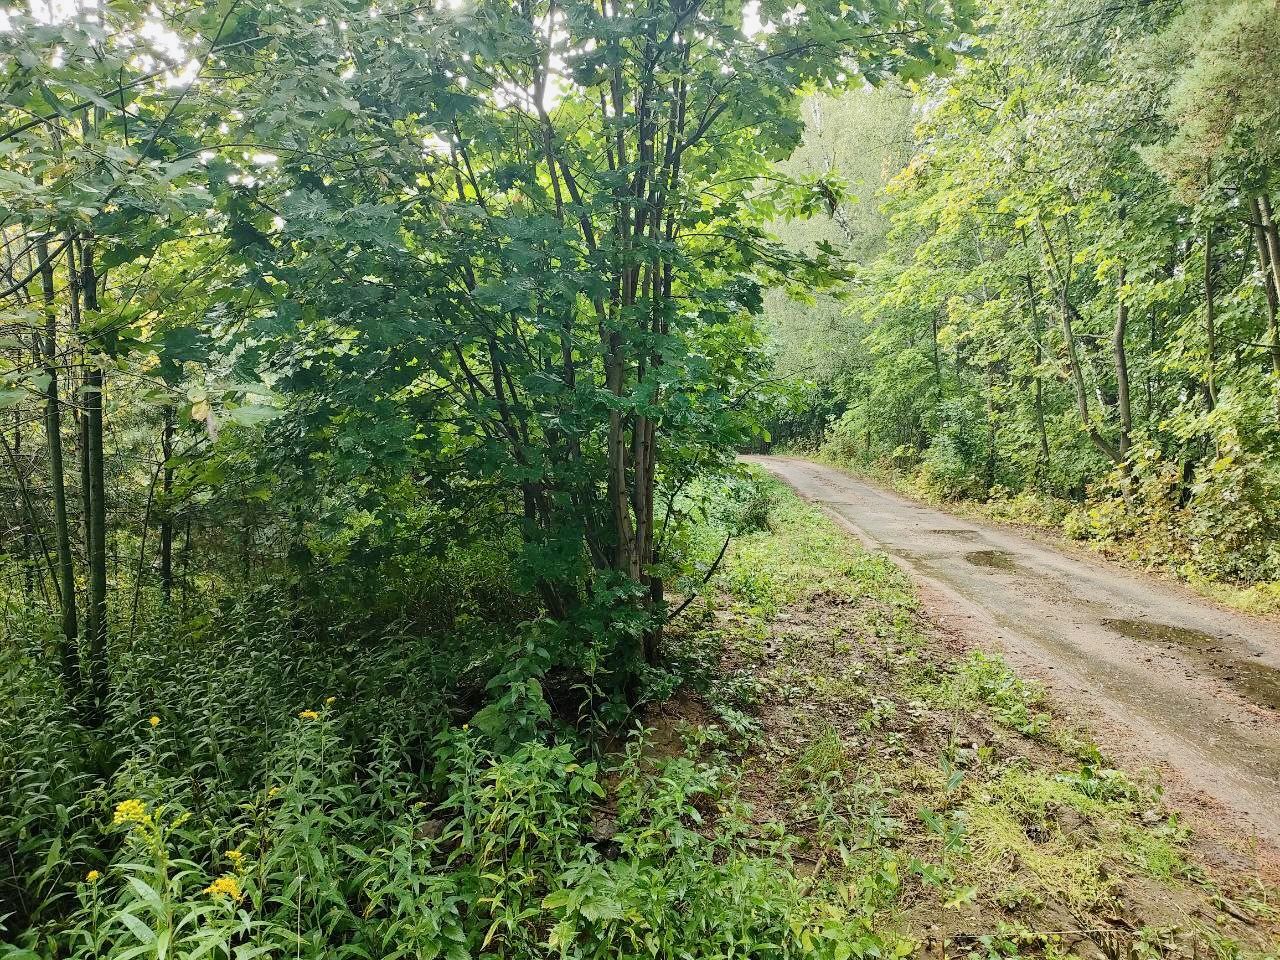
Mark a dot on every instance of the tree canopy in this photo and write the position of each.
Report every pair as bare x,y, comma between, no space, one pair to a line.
1076,293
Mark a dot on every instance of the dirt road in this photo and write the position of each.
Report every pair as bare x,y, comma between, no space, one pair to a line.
1176,680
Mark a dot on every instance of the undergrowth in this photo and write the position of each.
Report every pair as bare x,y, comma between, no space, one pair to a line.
850,790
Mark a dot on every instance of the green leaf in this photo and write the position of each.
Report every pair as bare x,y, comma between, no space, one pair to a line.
252,414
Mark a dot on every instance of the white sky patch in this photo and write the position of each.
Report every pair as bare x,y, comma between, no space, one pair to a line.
184,76
752,25
557,83
55,11
162,40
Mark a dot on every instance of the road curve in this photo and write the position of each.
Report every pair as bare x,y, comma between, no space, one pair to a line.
1176,679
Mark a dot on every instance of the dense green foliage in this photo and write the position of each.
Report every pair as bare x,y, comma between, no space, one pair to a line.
368,824
372,276
369,376
1075,292
362,370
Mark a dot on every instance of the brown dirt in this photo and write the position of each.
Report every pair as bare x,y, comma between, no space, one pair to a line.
1170,681
865,676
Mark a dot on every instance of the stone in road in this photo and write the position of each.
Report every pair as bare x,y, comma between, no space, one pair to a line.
1184,681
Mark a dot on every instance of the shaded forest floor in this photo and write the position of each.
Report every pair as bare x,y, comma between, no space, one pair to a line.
930,783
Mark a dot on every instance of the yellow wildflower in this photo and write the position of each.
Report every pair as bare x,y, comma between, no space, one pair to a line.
328,701
308,715
154,721
225,886
237,860
131,812
272,792
93,876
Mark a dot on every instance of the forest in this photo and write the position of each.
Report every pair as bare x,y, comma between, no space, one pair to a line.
383,569
1065,290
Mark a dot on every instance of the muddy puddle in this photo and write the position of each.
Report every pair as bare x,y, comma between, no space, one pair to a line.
1256,682
1160,632
995,559
963,534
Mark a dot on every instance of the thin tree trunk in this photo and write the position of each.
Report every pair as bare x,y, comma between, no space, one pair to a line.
990,471
1122,368
69,648
142,550
98,667
81,418
1037,384
1066,312
1211,334
1272,235
26,520
29,508
1077,382
1269,285
937,359
166,507
186,563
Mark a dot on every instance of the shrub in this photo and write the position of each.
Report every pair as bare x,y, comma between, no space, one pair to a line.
745,504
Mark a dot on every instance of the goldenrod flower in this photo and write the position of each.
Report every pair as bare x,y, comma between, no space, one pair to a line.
93,876
328,701
154,721
237,860
308,715
225,886
131,812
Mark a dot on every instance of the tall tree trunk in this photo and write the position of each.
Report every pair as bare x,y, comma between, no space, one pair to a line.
166,507
1037,334
25,519
81,416
1272,235
989,477
1210,332
1269,276
98,668
1066,313
937,356
1077,381
1122,368
69,648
